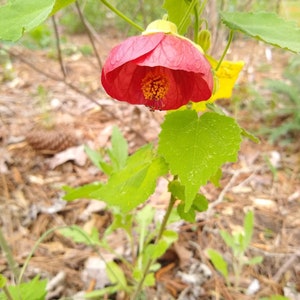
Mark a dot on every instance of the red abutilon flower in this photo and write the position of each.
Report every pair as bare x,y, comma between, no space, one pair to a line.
159,69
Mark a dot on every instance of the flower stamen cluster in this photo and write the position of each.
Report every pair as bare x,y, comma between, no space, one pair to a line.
155,86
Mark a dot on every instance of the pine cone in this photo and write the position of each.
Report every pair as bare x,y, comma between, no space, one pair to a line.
50,141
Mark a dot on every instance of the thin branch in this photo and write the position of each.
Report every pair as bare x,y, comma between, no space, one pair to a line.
285,267
89,32
222,194
60,59
67,83
50,76
20,57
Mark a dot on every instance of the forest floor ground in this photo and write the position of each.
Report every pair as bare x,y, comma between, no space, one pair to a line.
265,179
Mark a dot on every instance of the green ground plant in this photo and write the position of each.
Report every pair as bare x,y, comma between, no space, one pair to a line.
284,108
238,243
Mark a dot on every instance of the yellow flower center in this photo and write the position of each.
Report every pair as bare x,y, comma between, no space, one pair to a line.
155,86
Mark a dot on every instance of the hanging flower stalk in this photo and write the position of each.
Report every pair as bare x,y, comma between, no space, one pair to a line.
158,69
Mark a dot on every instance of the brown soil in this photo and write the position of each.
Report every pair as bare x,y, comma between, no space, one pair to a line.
33,96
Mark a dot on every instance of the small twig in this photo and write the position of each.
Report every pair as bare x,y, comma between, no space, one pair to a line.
67,83
50,76
285,267
223,192
273,254
90,35
5,187
60,59
56,281
31,65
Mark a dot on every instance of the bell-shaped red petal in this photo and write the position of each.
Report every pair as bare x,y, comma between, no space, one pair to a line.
159,70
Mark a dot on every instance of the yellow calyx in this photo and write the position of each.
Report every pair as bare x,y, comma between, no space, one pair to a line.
154,86
161,26
168,28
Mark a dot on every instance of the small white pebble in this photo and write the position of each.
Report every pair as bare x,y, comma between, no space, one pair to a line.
253,287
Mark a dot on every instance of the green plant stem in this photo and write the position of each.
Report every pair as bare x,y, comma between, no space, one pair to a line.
225,50
158,237
7,293
121,15
44,235
9,256
196,24
237,270
198,12
203,4
186,16
166,218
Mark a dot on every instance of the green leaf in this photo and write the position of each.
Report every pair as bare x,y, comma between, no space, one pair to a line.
228,239
215,179
3,281
35,289
116,275
144,217
200,203
176,11
155,251
176,189
133,184
78,235
117,278
250,136
189,215
120,221
59,4
149,280
118,154
218,261
94,155
81,192
255,260
248,229
275,297
170,236
195,148
265,26
103,292
119,150
106,168
19,16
